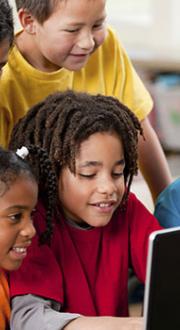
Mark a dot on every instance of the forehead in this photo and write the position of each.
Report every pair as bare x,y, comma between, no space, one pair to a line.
16,183
77,7
99,145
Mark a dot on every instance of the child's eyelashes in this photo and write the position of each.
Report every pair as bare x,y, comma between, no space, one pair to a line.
91,176
94,27
71,30
88,176
98,26
117,175
15,217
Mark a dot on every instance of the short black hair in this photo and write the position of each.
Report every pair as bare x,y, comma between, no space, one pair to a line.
6,22
40,9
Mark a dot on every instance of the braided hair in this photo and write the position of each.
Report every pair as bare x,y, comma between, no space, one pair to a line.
41,171
47,182
61,122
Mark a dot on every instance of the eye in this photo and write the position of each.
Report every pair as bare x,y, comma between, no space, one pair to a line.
16,217
88,176
117,174
98,26
71,30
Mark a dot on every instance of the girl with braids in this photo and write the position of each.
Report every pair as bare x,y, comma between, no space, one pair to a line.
80,280
18,197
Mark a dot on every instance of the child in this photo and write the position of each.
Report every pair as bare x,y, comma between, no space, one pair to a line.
66,44
167,208
6,31
18,197
100,229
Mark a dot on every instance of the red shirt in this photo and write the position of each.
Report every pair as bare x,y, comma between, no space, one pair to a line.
87,270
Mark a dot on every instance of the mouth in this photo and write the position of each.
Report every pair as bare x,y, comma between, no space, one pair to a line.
19,249
80,55
105,206
19,252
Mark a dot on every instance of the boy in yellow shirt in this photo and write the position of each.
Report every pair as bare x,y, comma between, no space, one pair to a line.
66,44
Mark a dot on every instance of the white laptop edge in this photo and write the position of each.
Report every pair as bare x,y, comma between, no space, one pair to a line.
148,269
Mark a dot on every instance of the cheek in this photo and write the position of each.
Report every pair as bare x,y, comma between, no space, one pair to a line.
100,37
6,238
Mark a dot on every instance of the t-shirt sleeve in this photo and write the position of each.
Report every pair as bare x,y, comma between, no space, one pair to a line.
142,224
167,208
127,85
33,312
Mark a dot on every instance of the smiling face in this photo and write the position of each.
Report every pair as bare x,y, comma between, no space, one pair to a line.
96,190
69,36
16,227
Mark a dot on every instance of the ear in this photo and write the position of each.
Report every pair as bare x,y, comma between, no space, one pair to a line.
27,21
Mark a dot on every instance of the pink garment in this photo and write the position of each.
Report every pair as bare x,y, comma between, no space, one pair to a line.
87,270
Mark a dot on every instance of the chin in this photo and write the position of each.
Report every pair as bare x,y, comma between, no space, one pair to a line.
75,67
11,266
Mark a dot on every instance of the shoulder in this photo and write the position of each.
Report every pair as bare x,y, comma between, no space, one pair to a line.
171,193
112,41
137,213
167,208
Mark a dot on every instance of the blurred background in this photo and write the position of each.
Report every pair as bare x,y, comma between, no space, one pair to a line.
150,32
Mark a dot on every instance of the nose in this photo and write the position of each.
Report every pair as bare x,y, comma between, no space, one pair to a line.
107,186
28,230
86,41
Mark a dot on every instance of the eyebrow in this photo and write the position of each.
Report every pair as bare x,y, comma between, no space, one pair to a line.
82,23
96,163
17,207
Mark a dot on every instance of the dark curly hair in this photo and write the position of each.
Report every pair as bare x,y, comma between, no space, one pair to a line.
6,22
64,120
36,166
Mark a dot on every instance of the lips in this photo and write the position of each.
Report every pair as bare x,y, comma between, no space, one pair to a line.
19,249
104,204
80,55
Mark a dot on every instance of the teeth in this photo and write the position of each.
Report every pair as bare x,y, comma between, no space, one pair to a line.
19,250
104,204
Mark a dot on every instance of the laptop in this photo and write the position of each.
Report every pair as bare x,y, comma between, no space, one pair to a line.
162,289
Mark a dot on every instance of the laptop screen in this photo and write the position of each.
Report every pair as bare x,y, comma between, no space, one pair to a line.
162,290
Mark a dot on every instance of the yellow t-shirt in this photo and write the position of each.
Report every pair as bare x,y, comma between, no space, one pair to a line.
108,71
4,302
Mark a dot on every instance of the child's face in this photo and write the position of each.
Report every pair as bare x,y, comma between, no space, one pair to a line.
4,49
70,35
93,194
16,227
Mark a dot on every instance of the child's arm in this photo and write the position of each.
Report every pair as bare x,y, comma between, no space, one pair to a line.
152,161
106,323
32,312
